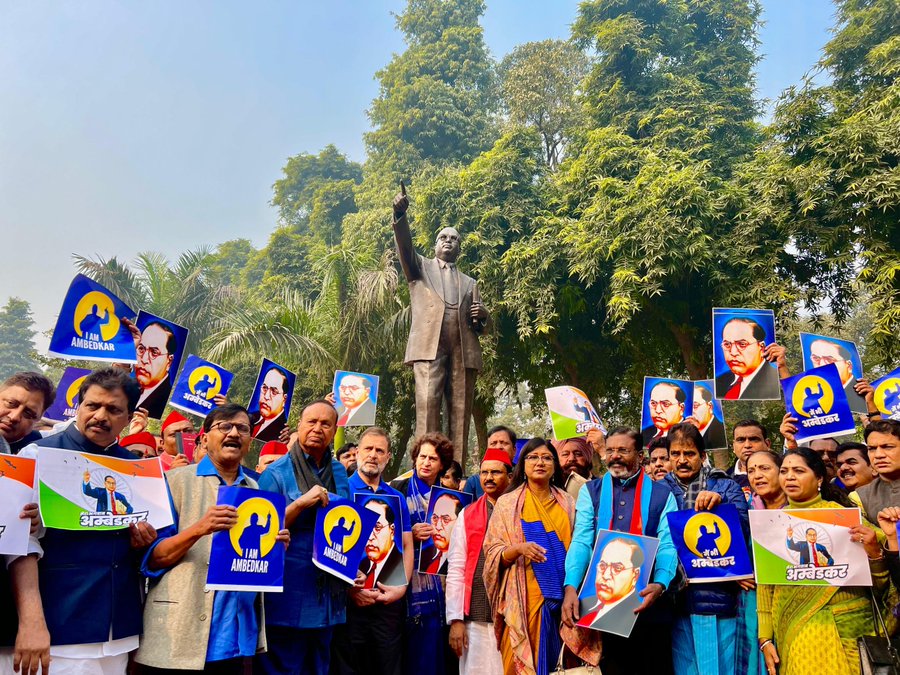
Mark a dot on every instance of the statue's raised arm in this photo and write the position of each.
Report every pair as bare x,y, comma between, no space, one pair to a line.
409,259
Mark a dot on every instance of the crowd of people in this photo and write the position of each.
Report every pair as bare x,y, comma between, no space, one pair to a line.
505,595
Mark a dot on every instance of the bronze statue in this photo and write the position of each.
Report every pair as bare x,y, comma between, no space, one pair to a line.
446,319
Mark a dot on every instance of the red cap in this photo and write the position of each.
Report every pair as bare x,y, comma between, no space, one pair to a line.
496,455
173,418
273,448
143,437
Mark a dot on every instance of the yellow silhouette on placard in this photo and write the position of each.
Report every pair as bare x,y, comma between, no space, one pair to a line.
205,382
342,526
707,535
95,314
256,528
812,396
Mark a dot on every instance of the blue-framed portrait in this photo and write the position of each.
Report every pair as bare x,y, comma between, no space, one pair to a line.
740,338
665,403
820,350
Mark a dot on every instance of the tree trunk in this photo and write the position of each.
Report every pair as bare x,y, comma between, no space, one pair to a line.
694,363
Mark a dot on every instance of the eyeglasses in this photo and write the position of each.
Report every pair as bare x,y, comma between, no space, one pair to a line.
152,351
824,360
621,451
350,387
269,392
665,405
226,427
613,568
740,344
442,520
542,459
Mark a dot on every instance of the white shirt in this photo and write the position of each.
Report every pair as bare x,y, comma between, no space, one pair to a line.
455,583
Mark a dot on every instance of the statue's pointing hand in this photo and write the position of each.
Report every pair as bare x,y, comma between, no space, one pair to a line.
401,203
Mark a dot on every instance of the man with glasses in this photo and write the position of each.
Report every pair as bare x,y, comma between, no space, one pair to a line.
666,404
271,419
356,408
747,355
627,500
703,414
155,354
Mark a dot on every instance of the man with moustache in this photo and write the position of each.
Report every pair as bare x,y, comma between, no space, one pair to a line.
23,399
575,457
748,436
468,608
156,347
853,466
84,635
499,438
747,355
300,621
626,500
174,424
659,466
666,404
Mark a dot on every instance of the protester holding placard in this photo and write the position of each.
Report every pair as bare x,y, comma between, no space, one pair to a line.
883,440
525,550
626,499
427,636
81,624
575,455
300,621
799,622
23,399
174,424
703,639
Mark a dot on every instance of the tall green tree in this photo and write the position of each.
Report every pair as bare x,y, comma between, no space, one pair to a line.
17,352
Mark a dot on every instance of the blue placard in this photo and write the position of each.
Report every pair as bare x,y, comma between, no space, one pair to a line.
343,529
710,544
247,557
666,402
740,337
270,403
887,394
383,559
444,506
199,383
819,350
816,398
90,327
63,407
159,353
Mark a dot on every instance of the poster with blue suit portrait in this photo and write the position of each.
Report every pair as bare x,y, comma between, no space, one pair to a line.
90,326
707,410
710,544
444,506
270,403
159,352
198,384
816,399
820,350
665,403
383,560
887,394
63,407
248,557
740,338
342,531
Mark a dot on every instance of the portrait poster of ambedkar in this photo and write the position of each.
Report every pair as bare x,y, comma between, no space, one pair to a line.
270,404
159,345
740,338
820,350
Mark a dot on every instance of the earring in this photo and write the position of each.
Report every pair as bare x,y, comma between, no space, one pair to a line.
820,485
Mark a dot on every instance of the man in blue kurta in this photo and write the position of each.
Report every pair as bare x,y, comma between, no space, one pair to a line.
300,621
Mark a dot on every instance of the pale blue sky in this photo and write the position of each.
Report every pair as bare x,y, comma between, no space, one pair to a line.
133,126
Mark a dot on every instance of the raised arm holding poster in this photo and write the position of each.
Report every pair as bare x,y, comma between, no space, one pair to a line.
90,326
247,557
80,491
63,407
665,403
270,404
816,398
887,394
444,506
740,338
711,544
16,490
159,352
357,398
199,383
343,529
571,413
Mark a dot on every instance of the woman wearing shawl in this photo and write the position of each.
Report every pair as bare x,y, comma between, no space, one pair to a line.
812,630
525,550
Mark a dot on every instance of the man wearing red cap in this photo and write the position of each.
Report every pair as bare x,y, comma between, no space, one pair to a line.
142,444
269,453
468,608
174,423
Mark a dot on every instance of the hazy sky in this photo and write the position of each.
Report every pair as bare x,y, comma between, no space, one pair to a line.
135,126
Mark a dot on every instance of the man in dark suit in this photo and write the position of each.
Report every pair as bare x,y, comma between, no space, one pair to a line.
443,519
446,320
666,405
357,409
823,352
810,552
749,376
108,500
383,562
271,417
155,346
703,411
616,580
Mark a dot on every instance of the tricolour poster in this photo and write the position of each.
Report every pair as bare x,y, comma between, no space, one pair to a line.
383,562
444,506
809,547
816,398
357,398
571,413
16,490
707,410
740,338
248,557
81,491
343,529
159,353
63,407
199,383
887,394
620,569
90,327
666,403
711,544
270,403
820,350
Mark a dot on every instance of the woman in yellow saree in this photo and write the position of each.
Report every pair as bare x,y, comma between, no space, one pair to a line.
525,550
812,630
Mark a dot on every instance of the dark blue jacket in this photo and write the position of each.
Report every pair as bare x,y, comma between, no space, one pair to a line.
720,599
90,581
311,598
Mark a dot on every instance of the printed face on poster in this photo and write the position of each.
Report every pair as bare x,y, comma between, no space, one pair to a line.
820,350
808,547
620,569
887,394
343,530
665,404
740,337
81,491
16,490
248,557
816,398
356,395
90,325
711,544
66,401
199,383
159,353
571,413
707,410
444,506
270,405
383,560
